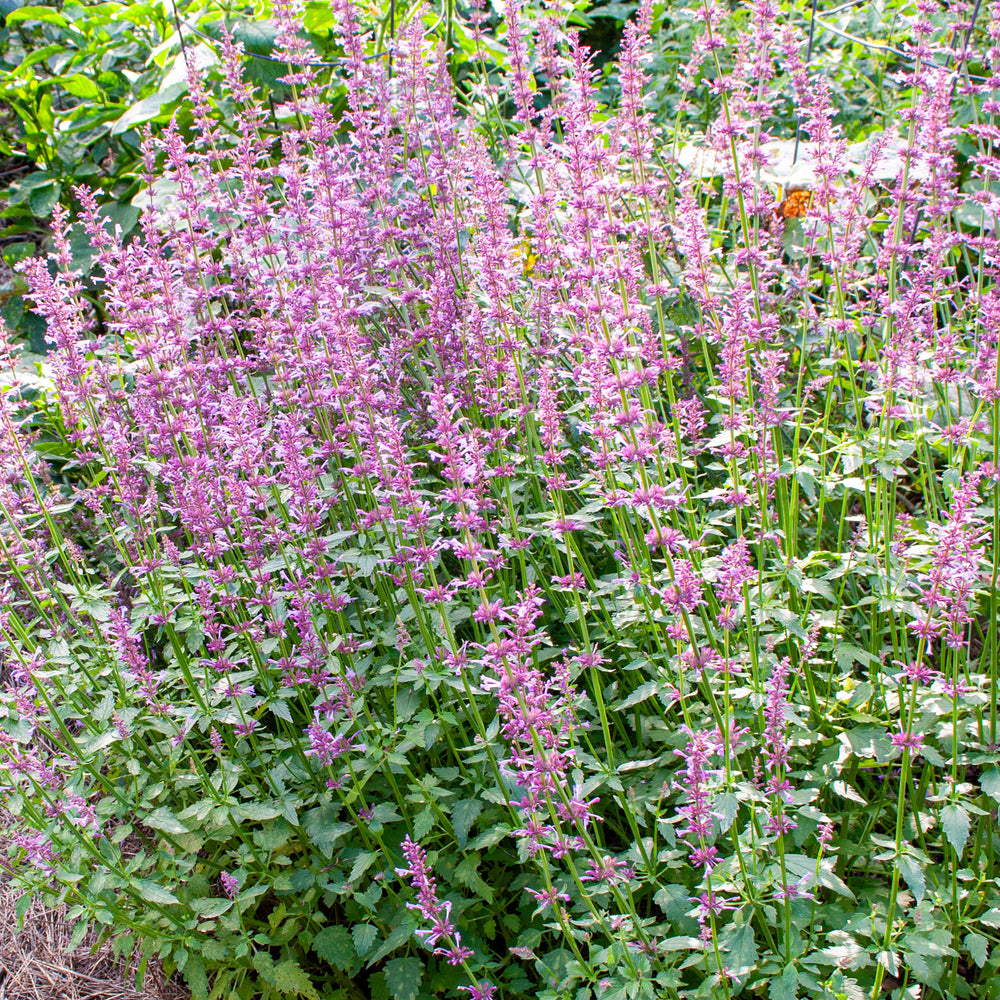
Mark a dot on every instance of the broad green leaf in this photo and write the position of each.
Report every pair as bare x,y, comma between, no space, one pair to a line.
742,950
335,945
913,872
364,936
210,907
639,695
323,829
43,199
163,819
100,742
402,976
979,948
463,815
148,108
291,979
955,823
396,939
154,893
257,812
274,835
466,874
785,986
362,863
491,837
79,86
46,15
423,823
279,707
990,783
196,977
918,967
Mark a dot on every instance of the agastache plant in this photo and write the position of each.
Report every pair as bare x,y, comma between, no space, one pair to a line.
583,479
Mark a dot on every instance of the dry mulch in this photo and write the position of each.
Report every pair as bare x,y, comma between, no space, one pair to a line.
35,965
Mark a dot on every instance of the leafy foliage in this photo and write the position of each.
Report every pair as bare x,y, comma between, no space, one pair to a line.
487,537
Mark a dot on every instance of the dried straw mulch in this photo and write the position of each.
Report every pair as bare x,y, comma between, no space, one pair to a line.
35,963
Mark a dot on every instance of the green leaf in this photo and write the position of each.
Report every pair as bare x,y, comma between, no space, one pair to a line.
335,945
289,978
43,14
209,907
42,199
196,977
153,893
466,874
79,86
257,812
396,939
491,837
785,986
742,950
919,968
979,948
362,863
463,815
322,828
955,823
279,707
148,108
913,872
990,783
364,936
639,695
402,976
163,819
274,835
423,823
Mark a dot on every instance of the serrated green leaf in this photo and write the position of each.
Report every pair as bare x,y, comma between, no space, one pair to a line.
463,815
785,986
402,977
322,828
274,835
196,977
364,936
490,838
918,966
955,823
336,946
742,950
467,875
257,812
423,823
209,907
913,872
396,939
163,819
362,863
153,893
990,783
639,695
291,979
978,947
279,707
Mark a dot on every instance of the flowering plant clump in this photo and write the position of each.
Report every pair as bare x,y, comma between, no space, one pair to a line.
497,543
